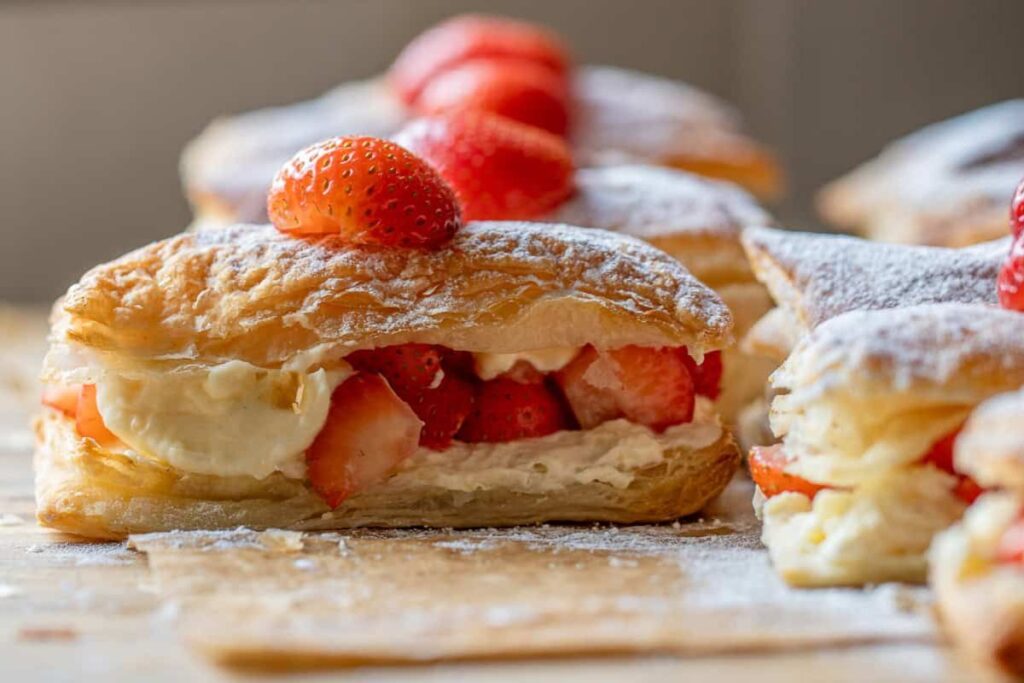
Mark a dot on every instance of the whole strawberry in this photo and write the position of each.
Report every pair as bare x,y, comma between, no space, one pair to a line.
500,169
1017,211
518,90
1011,277
369,191
469,37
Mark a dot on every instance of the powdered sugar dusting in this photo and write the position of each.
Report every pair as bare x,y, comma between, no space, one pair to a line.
952,347
650,202
823,276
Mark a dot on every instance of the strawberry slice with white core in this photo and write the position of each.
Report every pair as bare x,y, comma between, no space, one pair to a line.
649,386
369,431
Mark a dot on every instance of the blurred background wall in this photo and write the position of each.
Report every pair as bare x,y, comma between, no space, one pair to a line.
98,97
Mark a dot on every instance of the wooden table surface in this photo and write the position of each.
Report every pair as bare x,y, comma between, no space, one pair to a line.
73,610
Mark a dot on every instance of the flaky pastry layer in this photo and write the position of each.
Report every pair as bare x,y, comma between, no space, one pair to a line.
981,602
873,389
84,489
991,446
251,293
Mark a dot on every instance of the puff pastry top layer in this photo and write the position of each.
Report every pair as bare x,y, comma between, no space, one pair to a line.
817,277
695,219
250,293
991,447
957,351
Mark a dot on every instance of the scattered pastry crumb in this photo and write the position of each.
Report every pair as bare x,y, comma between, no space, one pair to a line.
281,540
45,633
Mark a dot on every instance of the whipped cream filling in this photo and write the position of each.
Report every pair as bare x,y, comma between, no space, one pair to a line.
611,453
232,419
490,365
841,444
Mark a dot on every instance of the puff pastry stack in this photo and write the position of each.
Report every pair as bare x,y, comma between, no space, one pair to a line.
946,184
813,278
975,566
868,406
287,377
614,117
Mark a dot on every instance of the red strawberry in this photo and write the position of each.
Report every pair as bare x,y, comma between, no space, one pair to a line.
707,377
1017,212
941,456
767,469
64,399
408,368
88,420
469,37
1011,544
500,169
367,190
590,397
368,432
1011,278
521,91
443,410
506,410
650,386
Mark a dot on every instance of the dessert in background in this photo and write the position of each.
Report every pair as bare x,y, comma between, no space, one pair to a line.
508,67
946,184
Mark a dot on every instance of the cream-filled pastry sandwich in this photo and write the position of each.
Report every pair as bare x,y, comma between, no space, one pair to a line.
946,184
813,278
867,407
977,567
370,361
510,68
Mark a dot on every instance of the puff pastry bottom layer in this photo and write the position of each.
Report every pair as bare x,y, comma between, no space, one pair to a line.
85,489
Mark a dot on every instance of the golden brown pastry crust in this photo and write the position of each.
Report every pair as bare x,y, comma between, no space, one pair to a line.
947,184
938,354
250,293
84,489
817,277
991,446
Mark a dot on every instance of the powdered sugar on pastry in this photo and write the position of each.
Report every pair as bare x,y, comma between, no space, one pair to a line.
651,202
250,293
873,389
819,277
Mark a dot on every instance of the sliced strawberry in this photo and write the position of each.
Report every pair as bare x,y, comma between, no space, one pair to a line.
1011,544
408,368
471,37
941,456
707,377
650,386
592,397
368,432
443,410
1011,277
62,398
500,169
518,90
767,469
507,410
1017,212
367,190
88,420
